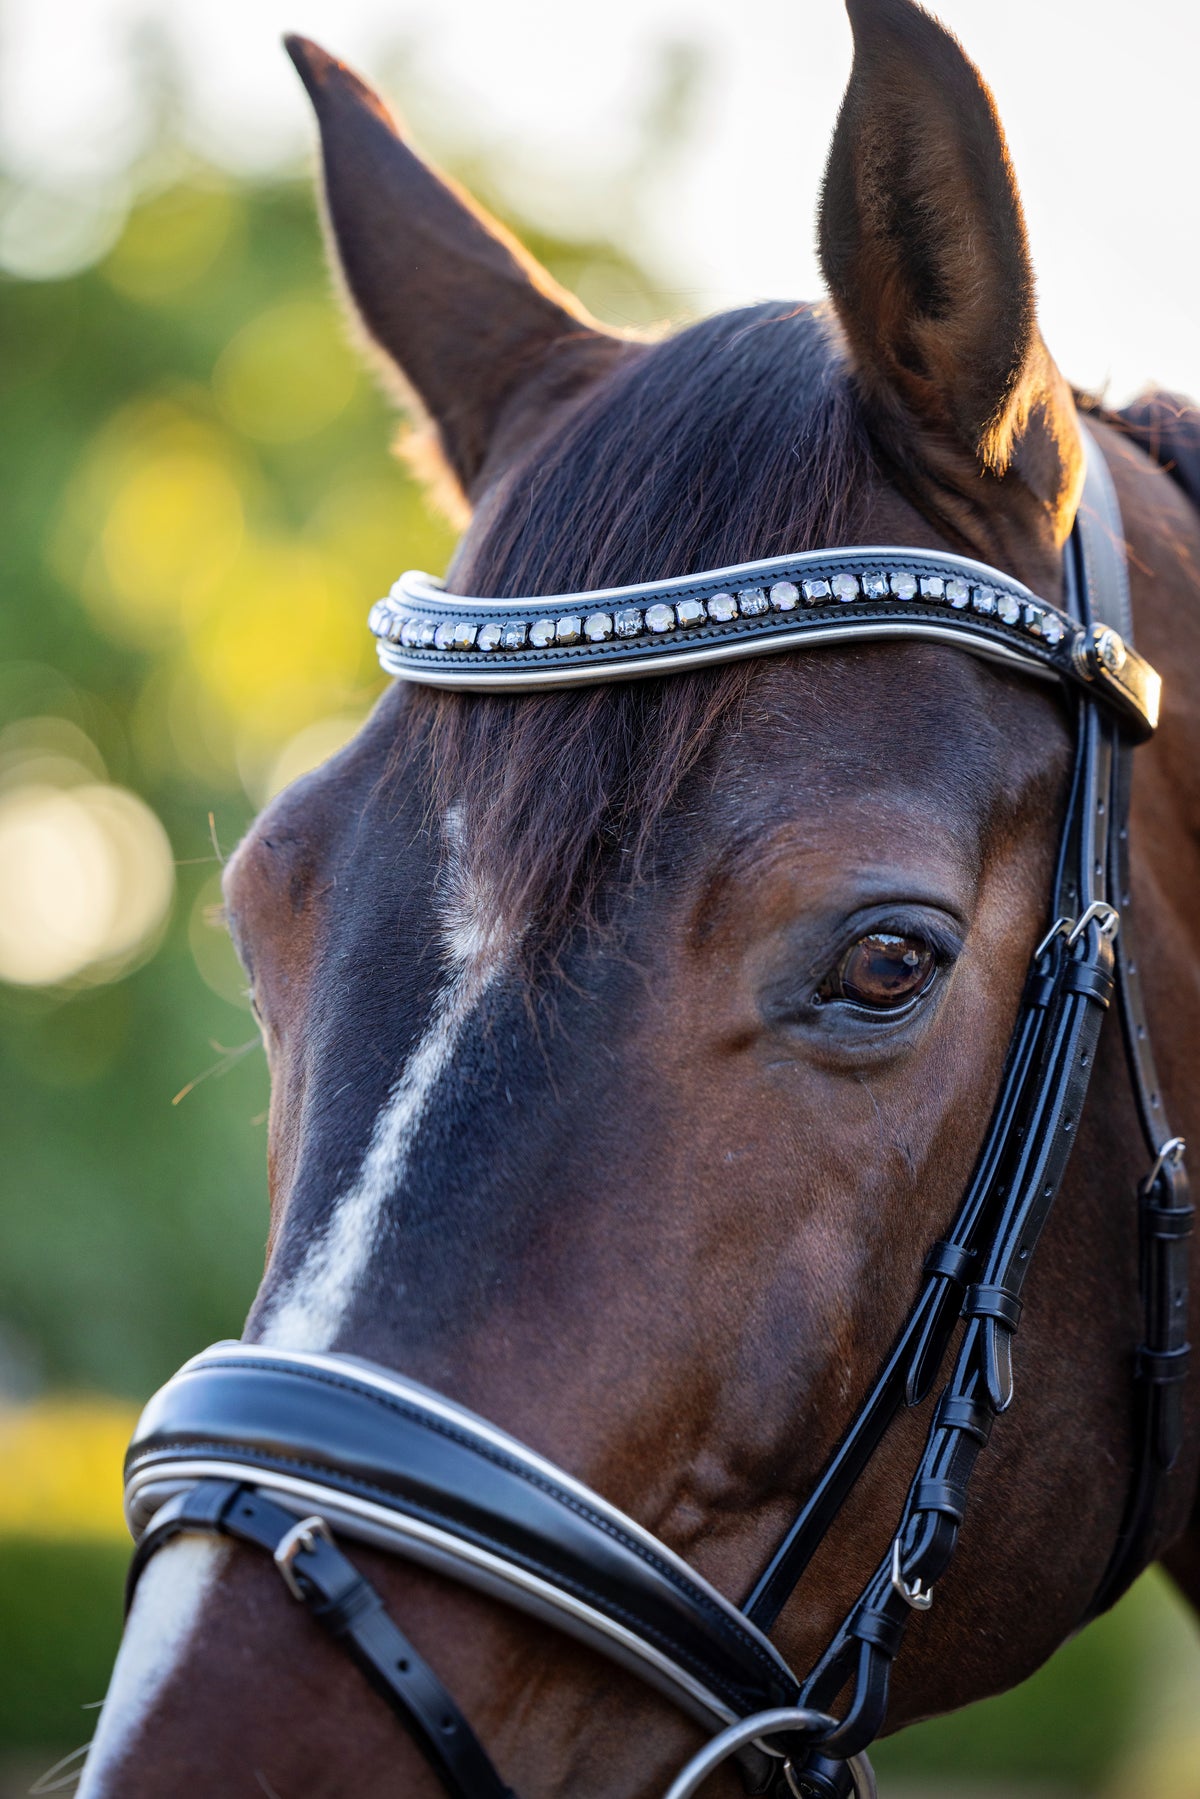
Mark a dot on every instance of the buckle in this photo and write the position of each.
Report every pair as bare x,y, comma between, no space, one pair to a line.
1073,928
912,1592
301,1538
1169,1156
1108,916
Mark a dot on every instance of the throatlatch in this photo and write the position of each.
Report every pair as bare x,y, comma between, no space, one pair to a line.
293,1452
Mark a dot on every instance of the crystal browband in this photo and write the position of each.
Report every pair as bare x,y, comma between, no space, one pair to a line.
827,597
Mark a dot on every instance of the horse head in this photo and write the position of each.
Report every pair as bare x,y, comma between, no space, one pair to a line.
630,1045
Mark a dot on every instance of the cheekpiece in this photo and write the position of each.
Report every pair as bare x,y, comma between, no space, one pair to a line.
821,597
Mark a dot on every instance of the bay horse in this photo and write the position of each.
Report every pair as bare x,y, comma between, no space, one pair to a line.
631,1043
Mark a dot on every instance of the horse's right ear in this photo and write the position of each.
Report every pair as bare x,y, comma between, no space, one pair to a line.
484,336
923,246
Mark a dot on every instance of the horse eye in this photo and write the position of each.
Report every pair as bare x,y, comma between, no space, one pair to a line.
883,972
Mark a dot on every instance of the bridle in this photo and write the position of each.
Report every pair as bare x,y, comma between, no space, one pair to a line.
294,1452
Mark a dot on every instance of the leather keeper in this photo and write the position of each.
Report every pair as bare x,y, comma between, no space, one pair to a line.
341,1611
940,1496
993,1302
955,1412
879,1630
1039,991
1162,1367
1094,983
950,1261
1165,1224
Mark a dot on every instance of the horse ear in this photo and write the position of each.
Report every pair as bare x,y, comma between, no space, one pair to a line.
483,335
923,245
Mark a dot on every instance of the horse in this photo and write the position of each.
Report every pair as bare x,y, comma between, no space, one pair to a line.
630,1043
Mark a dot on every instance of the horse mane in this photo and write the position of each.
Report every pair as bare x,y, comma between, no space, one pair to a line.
1167,427
740,437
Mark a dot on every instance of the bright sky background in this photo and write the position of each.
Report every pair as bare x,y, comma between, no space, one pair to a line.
1099,101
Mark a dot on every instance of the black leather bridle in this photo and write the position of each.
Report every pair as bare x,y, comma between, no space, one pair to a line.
294,1452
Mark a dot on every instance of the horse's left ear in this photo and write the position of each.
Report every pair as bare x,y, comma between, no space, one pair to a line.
923,246
485,337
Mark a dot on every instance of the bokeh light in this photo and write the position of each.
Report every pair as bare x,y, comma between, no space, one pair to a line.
212,948
309,748
62,1462
285,375
48,233
86,878
172,239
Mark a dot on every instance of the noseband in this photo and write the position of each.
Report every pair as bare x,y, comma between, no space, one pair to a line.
295,1453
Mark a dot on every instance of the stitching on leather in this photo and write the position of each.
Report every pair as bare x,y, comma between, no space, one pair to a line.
331,1478
488,1452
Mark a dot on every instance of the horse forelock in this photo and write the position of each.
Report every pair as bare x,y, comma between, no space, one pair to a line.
738,438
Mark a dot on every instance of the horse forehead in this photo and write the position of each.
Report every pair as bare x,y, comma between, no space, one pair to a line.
889,731
353,862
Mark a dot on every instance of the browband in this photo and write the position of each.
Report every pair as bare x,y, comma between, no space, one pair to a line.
820,597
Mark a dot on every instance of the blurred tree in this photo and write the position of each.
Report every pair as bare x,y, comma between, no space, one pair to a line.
201,506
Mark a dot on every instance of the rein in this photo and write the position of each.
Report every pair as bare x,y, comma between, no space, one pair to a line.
294,1452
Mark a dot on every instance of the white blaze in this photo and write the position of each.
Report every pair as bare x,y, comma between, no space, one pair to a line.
309,1311
166,1610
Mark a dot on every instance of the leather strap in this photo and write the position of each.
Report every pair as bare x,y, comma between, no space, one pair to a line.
345,1604
1161,1362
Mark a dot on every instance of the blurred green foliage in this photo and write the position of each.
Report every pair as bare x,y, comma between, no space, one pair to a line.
200,508
61,1604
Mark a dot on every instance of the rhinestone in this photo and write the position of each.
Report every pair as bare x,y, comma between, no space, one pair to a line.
785,596
752,601
568,630
627,622
814,591
443,637
845,587
903,585
395,627
933,587
722,607
1110,650
598,626
660,618
958,593
514,636
1052,630
490,636
984,599
1008,607
690,612
464,636
1032,617
541,633
379,618
427,635
875,586
411,632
